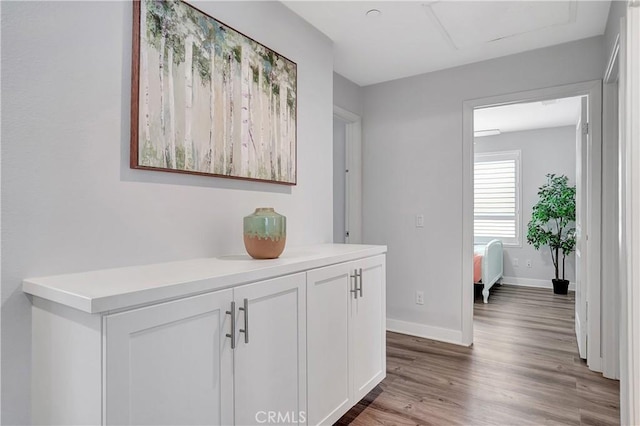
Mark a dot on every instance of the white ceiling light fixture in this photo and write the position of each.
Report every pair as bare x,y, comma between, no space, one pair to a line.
372,13
488,132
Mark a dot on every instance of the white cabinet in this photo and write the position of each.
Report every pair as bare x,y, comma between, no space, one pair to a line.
367,327
298,340
346,336
170,363
175,363
328,291
270,354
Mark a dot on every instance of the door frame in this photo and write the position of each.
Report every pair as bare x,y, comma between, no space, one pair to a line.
592,89
610,216
630,214
353,176
582,248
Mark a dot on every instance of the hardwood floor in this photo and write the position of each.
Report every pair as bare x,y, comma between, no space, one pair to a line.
523,369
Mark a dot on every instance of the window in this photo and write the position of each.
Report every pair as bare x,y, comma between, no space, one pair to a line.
496,210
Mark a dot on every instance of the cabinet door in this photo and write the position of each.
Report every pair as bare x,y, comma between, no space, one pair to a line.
170,363
367,322
328,292
270,354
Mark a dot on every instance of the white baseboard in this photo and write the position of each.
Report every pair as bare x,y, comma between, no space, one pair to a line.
532,282
428,332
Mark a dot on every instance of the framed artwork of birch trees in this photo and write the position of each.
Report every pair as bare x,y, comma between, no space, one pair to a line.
209,100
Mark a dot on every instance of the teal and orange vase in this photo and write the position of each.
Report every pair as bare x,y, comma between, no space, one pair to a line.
265,233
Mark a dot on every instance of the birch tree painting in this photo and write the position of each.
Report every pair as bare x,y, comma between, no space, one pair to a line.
208,99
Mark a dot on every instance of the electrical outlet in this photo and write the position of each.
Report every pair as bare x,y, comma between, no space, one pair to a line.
420,297
515,262
528,263
419,221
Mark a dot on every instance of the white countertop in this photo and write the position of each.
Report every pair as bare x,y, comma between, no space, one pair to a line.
119,288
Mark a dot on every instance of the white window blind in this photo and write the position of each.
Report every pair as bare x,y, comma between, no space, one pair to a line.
497,197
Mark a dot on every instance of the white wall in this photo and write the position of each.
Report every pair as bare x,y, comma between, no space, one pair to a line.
347,94
542,151
412,156
69,200
339,181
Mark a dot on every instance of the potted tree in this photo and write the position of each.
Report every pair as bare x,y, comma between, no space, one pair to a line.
553,224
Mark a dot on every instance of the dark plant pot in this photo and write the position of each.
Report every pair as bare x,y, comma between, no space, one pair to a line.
560,286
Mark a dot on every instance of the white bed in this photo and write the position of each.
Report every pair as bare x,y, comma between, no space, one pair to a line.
491,264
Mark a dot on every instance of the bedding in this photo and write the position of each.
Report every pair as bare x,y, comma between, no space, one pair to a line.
478,253
477,268
487,265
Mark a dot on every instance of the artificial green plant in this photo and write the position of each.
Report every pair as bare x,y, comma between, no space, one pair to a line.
553,219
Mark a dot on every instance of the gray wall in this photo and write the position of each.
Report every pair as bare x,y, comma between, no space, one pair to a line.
542,151
347,94
339,166
69,200
412,163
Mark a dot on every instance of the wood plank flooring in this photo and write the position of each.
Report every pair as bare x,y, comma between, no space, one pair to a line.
523,369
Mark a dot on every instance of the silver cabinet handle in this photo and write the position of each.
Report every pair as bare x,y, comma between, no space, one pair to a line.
359,274
245,330
355,284
232,312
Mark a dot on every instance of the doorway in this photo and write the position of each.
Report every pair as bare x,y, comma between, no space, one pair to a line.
340,171
592,189
517,148
347,176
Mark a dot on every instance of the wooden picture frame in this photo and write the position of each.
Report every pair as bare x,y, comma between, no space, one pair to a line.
208,100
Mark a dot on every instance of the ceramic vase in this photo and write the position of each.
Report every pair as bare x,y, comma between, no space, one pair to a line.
265,233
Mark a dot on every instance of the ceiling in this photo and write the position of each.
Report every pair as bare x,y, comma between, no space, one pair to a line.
528,116
414,37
